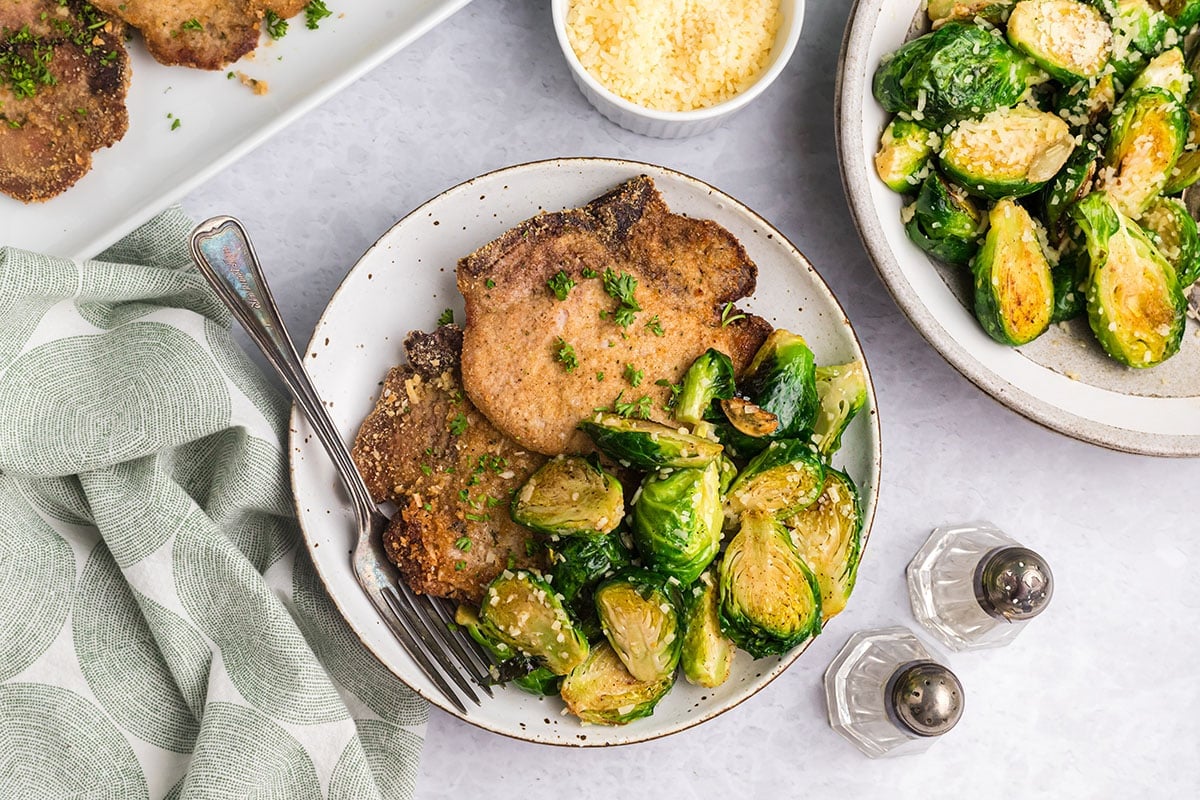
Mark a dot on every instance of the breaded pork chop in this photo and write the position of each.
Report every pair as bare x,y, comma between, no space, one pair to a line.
64,72
449,471
207,34
536,365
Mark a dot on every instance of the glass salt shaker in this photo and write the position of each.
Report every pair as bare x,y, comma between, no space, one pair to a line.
973,586
888,696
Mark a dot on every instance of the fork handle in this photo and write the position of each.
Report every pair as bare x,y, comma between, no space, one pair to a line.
225,257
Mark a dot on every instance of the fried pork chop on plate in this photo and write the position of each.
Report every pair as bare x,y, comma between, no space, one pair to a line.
536,365
64,72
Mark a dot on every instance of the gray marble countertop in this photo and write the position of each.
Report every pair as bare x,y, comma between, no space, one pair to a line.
1097,698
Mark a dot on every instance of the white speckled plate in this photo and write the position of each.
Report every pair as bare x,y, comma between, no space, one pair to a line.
219,121
1063,379
405,280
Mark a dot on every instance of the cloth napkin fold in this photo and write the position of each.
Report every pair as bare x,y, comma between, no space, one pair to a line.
162,629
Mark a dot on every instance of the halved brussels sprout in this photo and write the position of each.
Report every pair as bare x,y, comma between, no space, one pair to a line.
710,377
781,379
522,611
1014,291
749,418
601,691
770,600
539,681
1070,277
1147,133
570,496
994,12
957,72
1086,103
1165,71
468,618
1185,172
1010,152
1070,40
842,389
1139,30
577,564
644,444
945,222
1184,13
904,151
784,479
727,472
640,618
1135,305
1174,233
1071,183
828,536
677,520
707,653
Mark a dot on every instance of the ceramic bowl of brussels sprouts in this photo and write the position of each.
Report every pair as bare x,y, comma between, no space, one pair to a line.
689,562
1021,172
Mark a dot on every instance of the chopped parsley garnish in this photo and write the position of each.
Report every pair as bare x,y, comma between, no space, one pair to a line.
634,376
477,517
599,376
561,284
276,25
530,547
489,283
23,70
446,318
192,24
588,272
639,408
426,469
621,288
566,355
314,12
727,315
655,327
675,388
175,125
512,562
463,544
459,566
459,424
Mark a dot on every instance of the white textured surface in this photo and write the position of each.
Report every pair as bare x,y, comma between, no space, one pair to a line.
1098,698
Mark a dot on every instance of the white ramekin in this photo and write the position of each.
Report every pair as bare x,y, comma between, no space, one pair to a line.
678,124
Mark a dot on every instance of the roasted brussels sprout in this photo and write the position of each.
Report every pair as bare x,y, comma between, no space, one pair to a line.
578,564
677,520
1174,233
1168,72
1070,277
707,653
842,389
828,536
570,496
601,691
1134,302
1086,103
781,379
640,618
709,378
1069,40
903,157
540,681
770,600
993,12
1010,152
945,222
644,444
522,611
1014,291
727,471
1185,173
1184,13
784,479
1146,136
467,618
1071,183
956,72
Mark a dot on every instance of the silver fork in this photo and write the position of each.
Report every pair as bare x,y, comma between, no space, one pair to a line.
225,257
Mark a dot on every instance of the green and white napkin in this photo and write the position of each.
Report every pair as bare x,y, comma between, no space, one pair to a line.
162,630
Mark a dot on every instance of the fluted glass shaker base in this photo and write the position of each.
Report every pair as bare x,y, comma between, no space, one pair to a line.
972,586
887,695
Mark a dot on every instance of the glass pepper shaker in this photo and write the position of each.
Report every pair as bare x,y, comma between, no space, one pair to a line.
972,586
888,696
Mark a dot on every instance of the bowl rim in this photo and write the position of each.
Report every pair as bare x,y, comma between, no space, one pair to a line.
558,9
852,86
297,425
